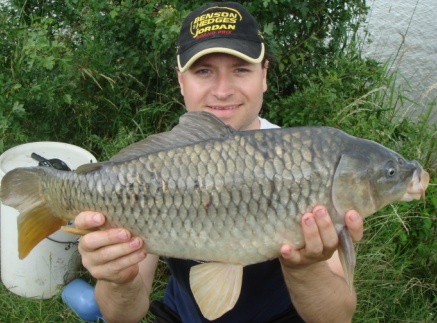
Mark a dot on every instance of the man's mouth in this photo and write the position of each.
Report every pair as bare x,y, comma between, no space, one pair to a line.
227,107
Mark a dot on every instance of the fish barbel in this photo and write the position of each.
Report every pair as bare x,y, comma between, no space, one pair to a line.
205,191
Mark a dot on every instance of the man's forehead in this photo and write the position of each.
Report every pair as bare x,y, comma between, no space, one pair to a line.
214,58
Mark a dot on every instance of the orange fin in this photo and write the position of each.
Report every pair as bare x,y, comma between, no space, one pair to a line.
216,287
79,232
33,226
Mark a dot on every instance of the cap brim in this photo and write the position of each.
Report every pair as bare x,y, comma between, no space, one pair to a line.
250,51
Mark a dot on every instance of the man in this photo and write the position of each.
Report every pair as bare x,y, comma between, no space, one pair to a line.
222,69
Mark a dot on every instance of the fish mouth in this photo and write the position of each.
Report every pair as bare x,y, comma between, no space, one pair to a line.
417,186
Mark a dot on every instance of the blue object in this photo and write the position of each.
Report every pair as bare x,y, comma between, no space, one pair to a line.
79,296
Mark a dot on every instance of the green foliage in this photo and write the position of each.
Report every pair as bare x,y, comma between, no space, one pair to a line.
329,94
305,36
82,71
88,74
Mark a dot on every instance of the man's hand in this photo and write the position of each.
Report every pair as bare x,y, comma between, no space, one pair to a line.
112,254
321,239
314,275
118,262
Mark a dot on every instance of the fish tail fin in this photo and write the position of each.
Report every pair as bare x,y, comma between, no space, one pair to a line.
347,256
21,189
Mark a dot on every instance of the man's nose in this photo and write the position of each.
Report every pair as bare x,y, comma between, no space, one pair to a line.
223,87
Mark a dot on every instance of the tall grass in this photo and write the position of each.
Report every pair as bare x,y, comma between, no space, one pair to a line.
392,284
396,277
14,308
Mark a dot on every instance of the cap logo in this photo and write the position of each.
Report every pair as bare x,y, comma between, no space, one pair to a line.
221,22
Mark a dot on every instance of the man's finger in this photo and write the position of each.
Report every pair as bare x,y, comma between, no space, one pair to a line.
354,223
328,234
99,239
89,220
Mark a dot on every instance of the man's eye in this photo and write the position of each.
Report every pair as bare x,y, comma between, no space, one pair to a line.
202,71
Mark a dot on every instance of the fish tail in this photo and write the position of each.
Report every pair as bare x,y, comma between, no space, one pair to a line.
21,189
346,252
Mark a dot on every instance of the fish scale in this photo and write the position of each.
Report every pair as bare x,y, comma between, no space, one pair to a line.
203,203
211,193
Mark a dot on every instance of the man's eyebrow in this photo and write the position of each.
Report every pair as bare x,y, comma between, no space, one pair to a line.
200,63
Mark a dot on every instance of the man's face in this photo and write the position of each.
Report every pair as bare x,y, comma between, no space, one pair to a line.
226,86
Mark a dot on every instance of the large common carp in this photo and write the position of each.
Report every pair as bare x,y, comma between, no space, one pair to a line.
205,191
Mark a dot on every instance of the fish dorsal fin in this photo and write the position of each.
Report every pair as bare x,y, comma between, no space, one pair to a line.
86,168
351,187
193,127
216,287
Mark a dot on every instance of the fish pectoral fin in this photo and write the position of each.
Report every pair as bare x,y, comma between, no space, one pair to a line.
351,188
346,252
216,287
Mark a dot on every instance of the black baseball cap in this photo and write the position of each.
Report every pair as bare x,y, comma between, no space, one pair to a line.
219,27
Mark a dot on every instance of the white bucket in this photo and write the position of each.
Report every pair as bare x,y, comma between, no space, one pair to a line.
54,261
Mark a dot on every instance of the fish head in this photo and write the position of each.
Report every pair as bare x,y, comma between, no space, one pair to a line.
399,180
374,176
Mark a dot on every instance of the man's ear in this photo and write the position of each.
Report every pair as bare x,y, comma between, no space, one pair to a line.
265,68
181,82
266,64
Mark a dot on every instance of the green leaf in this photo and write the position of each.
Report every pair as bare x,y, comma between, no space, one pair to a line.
268,28
113,14
67,98
18,107
48,62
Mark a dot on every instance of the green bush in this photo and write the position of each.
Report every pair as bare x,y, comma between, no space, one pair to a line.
86,72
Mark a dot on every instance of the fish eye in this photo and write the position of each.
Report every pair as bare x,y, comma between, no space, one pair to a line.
390,169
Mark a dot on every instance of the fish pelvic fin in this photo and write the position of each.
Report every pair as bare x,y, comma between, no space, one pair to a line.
346,252
21,189
76,231
216,287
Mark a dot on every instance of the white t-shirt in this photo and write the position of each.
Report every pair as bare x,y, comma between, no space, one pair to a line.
265,124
